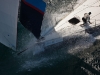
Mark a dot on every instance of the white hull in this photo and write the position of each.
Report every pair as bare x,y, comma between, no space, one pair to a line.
8,22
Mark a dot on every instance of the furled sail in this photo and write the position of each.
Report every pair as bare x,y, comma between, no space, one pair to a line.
31,15
8,22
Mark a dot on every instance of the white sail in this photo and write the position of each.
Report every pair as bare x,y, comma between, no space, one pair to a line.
8,22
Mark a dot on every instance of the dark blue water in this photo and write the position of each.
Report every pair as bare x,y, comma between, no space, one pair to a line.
49,62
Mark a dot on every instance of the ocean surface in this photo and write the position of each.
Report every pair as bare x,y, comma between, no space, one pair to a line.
49,62
66,59
53,61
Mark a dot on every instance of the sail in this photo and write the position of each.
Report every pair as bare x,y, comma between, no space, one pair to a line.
31,15
8,22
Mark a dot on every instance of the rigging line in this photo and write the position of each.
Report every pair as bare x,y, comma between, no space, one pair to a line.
23,50
85,8
96,6
93,6
95,15
96,19
60,26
